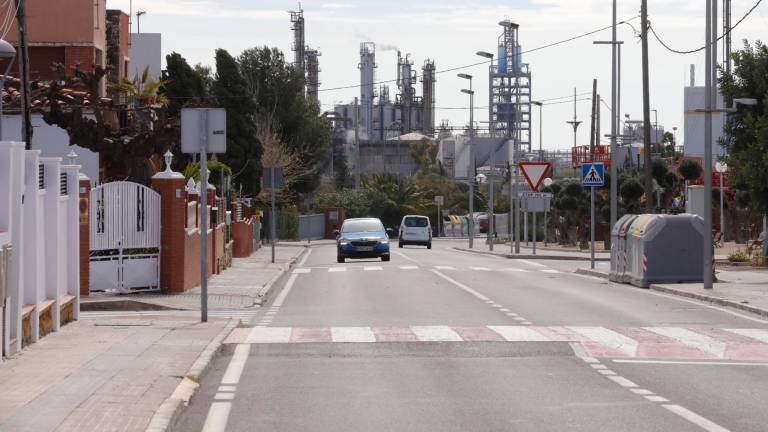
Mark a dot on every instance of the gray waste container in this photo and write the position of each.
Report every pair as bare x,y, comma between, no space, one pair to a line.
664,249
619,258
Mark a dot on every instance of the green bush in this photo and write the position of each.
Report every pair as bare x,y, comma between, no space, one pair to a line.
738,256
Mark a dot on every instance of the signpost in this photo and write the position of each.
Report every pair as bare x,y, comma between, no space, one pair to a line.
274,181
439,200
204,130
592,176
536,202
535,173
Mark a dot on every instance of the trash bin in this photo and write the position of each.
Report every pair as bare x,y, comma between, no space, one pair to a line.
664,249
619,259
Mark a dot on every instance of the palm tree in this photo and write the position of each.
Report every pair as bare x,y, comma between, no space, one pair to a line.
395,197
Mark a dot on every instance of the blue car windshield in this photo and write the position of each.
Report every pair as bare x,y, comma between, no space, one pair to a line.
362,226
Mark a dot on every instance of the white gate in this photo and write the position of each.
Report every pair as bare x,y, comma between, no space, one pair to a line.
125,237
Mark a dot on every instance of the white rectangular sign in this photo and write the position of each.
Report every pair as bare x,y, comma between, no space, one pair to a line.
192,130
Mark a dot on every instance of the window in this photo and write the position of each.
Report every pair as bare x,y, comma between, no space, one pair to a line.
416,222
362,226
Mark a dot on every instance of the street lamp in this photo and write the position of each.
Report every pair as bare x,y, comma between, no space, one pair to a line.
708,252
7,52
541,127
471,166
721,168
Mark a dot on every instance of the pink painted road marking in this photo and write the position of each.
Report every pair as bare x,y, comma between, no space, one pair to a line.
737,346
478,334
394,334
656,346
319,334
239,335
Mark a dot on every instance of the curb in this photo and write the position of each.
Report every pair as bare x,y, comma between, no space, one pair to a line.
680,293
264,292
168,412
530,256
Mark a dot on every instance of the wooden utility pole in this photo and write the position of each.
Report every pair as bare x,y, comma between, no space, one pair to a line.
26,124
646,111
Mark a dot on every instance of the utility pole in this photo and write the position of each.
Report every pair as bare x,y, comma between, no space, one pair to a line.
357,148
593,141
26,125
708,106
646,110
575,123
727,33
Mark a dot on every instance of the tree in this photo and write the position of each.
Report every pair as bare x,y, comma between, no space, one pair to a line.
424,153
243,149
689,170
182,85
668,144
276,89
276,154
394,197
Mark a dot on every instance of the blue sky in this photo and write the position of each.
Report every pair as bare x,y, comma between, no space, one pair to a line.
449,32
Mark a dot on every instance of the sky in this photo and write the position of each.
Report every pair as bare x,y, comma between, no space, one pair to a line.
450,32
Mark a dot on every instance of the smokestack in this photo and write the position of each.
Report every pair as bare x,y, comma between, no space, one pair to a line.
693,75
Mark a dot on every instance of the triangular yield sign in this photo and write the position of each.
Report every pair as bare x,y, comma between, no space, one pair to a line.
534,173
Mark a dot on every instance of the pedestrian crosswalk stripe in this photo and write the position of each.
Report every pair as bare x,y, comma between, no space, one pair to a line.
409,267
515,270
302,271
372,268
485,269
598,342
445,268
531,263
550,271
336,269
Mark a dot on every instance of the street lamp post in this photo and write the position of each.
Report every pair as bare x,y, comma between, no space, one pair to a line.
721,168
541,127
491,178
547,183
471,167
7,52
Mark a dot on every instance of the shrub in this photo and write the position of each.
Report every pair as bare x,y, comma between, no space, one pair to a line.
738,256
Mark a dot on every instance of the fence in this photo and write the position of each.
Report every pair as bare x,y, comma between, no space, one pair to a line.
43,230
312,227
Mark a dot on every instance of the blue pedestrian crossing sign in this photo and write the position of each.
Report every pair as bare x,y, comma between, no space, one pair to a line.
593,174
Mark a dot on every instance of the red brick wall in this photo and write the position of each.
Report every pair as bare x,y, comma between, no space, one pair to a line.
173,236
85,238
84,56
242,235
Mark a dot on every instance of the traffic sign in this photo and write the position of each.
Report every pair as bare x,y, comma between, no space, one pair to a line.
439,200
534,173
593,174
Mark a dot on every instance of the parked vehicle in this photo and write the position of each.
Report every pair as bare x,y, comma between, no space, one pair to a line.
363,238
415,230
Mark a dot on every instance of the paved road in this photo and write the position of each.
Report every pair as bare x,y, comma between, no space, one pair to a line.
452,341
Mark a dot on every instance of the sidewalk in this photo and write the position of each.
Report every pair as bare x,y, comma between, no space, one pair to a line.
107,375
742,290
243,285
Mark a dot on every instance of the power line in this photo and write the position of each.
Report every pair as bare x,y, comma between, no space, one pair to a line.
550,45
665,45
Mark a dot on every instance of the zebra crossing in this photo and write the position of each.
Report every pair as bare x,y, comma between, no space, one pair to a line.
534,268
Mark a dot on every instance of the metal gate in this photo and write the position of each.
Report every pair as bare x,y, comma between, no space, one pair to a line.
312,227
125,237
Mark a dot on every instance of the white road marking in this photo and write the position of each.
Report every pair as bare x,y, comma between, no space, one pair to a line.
504,310
284,293
409,267
526,323
519,334
515,270
761,335
580,352
608,338
599,366
704,304
462,286
218,414
302,270
224,396
550,271
408,258
336,269
352,334
269,335
227,388
236,365
641,392
436,334
606,372
444,268
696,419
512,314
622,381
372,268
483,269
531,263
519,318
655,398
306,256
695,340
689,362
496,305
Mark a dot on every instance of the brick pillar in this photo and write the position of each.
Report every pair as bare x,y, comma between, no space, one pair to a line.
85,235
173,214
212,256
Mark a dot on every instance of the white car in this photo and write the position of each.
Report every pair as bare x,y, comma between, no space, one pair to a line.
415,230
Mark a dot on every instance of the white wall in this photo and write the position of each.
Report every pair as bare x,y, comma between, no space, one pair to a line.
145,50
53,141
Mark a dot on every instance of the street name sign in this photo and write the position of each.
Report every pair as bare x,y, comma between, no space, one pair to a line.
534,173
593,174
200,123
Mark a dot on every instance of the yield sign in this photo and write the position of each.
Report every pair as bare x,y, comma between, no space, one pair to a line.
534,173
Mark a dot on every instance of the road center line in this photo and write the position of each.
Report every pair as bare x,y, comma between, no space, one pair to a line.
217,418
284,293
460,285
305,257
236,365
688,362
408,258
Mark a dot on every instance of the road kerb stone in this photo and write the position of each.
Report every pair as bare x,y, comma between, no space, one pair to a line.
166,415
263,294
531,256
682,293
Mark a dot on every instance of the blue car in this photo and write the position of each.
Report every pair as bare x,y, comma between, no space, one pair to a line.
362,238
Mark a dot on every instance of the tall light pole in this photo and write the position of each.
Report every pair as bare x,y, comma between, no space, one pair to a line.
575,123
138,20
646,108
721,168
615,77
471,167
491,178
7,52
541,128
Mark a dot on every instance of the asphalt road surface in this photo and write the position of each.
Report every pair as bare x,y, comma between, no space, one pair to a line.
442,340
